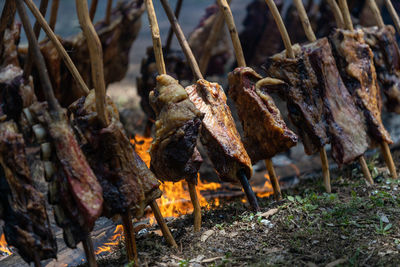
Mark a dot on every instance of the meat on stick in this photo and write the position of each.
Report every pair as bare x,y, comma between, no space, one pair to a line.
157,46
224,7
311,37
240,162
289,52
54,107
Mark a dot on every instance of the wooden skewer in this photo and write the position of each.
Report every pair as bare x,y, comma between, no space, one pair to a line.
346,15
393,14
89,251
178,8
376,13
230,22
182,40
7,17
59,47
54,12
336,13
387,155
36,28
365,171
197,73
108,12
161,222
281,26
304,20
93,8
157,46
325,170
212,39
129,234
36,260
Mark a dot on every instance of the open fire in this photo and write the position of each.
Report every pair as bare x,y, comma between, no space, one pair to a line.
4,250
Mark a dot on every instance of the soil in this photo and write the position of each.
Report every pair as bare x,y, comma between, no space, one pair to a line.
355,225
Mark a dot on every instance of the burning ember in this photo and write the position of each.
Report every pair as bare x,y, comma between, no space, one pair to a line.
114,240
3,246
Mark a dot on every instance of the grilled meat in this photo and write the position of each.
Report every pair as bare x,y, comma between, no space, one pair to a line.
116,39
74,188
126,181
265,132
383,43
354,59
221,52
303,97
218,133
177,128
24,213
346,124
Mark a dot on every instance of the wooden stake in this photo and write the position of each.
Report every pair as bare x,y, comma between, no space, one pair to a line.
38,59
305,21
196,206
129,234
54,12
376,12
108,12
96,59
182,40
346,15
230,22
336,13
388,159
161,222
36,260
211,41
7,17
89,251
325,169
281,26
365,170
59,47
274,179
393,14
93,8
36,29
251,197
178,8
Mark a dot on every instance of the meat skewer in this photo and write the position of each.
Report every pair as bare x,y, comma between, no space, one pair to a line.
311,36
54,13
290,54
85,190
245,96
128,166
176,101
393,14
348,45
218,134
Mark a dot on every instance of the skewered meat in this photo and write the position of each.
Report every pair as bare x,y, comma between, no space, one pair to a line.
74,188
116,39
8,49
127,183
175,64
383,43
262,40
303,97
346,125
218,133
27,225
355,63
173,152
265,132
221,52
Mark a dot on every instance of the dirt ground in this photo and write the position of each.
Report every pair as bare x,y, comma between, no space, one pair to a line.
355,225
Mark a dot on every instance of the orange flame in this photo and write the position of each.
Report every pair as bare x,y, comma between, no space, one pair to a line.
3,245
114,240
266,190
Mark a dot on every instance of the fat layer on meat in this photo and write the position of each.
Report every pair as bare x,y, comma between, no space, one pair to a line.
355,63
218,133
126,181
178,123
386,51
265,132
24,213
